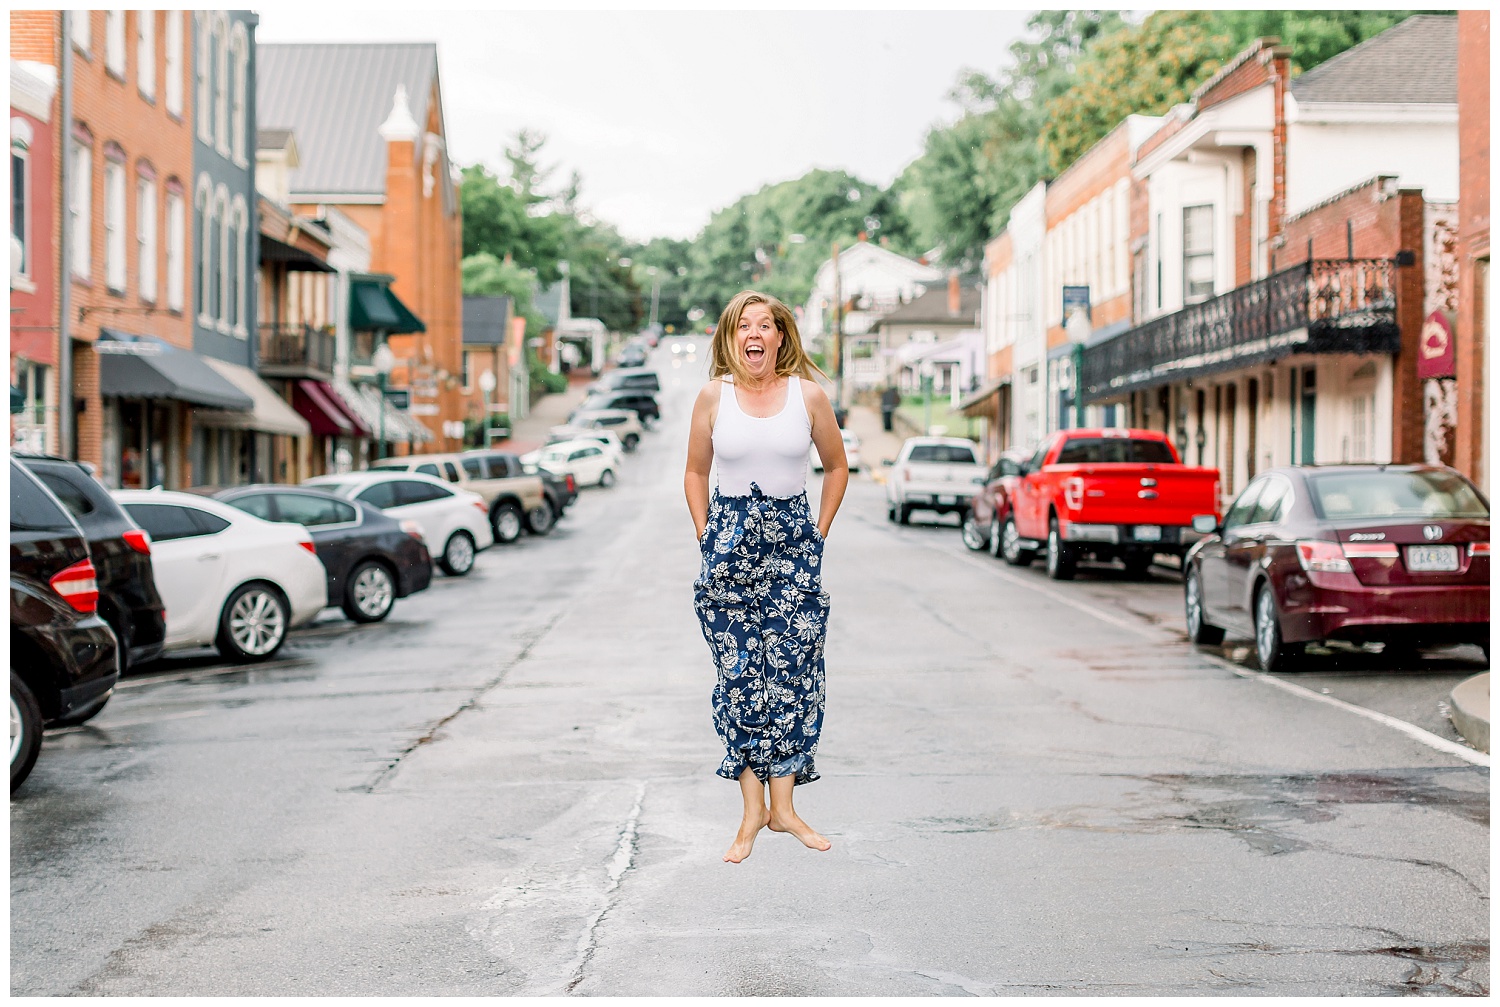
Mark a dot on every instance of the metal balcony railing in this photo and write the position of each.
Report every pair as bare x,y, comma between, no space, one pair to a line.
296,351
1322,306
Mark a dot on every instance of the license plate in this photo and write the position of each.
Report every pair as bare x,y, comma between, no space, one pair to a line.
946,501
1148,533
1440,558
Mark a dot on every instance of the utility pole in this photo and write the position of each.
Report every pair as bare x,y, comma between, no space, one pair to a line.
64,132
837,340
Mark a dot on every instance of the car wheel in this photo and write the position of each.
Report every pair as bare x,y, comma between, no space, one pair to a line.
607,478
973,537
1011,549
253,624
25,731
541,518
1062,564
903,514
890,513
631,440
458,554
1199,631
369,593
1271,652
1138,566
505,521
84,715
997,530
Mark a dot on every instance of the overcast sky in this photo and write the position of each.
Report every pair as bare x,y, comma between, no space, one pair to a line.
670,116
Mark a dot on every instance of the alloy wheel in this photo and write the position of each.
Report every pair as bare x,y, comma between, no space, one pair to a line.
1267,635
1010,542
257,623
1194,602
973,537
17,729
458,554
507,524
997,538
373,591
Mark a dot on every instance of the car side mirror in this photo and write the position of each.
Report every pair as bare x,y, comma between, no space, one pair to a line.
1205,524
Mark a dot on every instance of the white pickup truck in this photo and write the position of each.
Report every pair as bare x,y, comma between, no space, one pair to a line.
939,474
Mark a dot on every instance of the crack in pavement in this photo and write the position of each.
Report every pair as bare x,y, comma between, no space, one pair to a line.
389,771
619,864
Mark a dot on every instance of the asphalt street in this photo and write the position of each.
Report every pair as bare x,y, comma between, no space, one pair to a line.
507,788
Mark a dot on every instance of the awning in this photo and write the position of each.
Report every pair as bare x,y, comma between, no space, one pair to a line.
978,403
270,414
368,403
143,367
294,258
315,401
372,307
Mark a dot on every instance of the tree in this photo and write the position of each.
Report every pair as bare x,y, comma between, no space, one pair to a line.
497,220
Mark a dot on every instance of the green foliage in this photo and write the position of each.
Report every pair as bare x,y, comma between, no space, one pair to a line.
498,220
1313,35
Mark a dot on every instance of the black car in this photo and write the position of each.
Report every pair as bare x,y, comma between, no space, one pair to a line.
121,551
560,490
626,379
372,558
642,403
64,660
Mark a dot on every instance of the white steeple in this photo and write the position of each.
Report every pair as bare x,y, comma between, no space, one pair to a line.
400,125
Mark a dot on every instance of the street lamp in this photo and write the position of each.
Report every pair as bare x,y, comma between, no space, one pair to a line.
384,360
487,387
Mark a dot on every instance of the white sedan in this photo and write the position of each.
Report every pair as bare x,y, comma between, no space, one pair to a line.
851,451
606,438
455,522
227,579
588,462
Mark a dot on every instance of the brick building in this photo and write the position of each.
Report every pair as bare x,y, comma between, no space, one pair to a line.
33,257
369,124
1471,358
125,210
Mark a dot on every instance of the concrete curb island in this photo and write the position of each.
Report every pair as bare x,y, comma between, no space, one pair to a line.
1470,710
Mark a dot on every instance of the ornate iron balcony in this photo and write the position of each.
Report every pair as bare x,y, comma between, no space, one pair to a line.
296,351
1322,306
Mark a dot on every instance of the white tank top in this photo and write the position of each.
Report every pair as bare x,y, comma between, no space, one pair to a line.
769,451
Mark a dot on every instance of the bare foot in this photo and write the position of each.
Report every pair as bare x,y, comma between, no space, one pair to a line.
745,840
797,827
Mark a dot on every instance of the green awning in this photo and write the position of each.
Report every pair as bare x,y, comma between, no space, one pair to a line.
373,307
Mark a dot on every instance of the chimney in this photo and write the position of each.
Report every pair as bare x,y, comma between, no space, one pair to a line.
955,297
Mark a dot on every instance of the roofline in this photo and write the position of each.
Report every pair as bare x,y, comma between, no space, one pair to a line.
363,198
1270,42
1349,53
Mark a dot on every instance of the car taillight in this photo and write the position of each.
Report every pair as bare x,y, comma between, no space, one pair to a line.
1073,493
413,529
1479,549
1322,557
572,486
308,545
906,475
138,540
482,508
78,586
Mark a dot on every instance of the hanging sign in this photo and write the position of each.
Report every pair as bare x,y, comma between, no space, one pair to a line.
1435,348
1076,299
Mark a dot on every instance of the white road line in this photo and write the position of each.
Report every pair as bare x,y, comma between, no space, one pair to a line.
1412,731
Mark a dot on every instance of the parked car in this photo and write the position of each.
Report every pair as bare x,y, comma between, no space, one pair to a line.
628,378
605,438
371,559
851,452
985,522
633,354
1398,554
937,474
643,404
455,522
507,499
229,580
1107,494
558,491
64,659
624,422
585,461
121,553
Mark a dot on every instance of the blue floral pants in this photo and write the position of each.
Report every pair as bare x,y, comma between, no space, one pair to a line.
764,613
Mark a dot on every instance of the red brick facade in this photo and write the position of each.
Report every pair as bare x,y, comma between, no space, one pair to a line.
1472,332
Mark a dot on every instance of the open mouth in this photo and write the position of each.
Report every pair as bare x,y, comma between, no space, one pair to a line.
755,352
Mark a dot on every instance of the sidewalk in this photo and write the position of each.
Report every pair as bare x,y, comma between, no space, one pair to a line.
875,444
547,412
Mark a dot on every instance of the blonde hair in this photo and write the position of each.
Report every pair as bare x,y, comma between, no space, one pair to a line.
791,358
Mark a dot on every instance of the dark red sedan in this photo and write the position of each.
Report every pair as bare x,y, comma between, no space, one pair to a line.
983,525
1393,553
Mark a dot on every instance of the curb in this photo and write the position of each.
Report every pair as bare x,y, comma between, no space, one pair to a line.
1470,710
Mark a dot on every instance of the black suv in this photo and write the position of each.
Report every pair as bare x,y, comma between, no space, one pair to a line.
64,660
121,552
641,402
627,379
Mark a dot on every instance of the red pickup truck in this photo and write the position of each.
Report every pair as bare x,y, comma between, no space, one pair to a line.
1107,494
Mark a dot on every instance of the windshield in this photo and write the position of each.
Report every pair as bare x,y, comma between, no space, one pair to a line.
1375,495
332,486
948,453
1100,450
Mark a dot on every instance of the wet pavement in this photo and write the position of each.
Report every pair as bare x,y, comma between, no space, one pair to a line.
508,788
